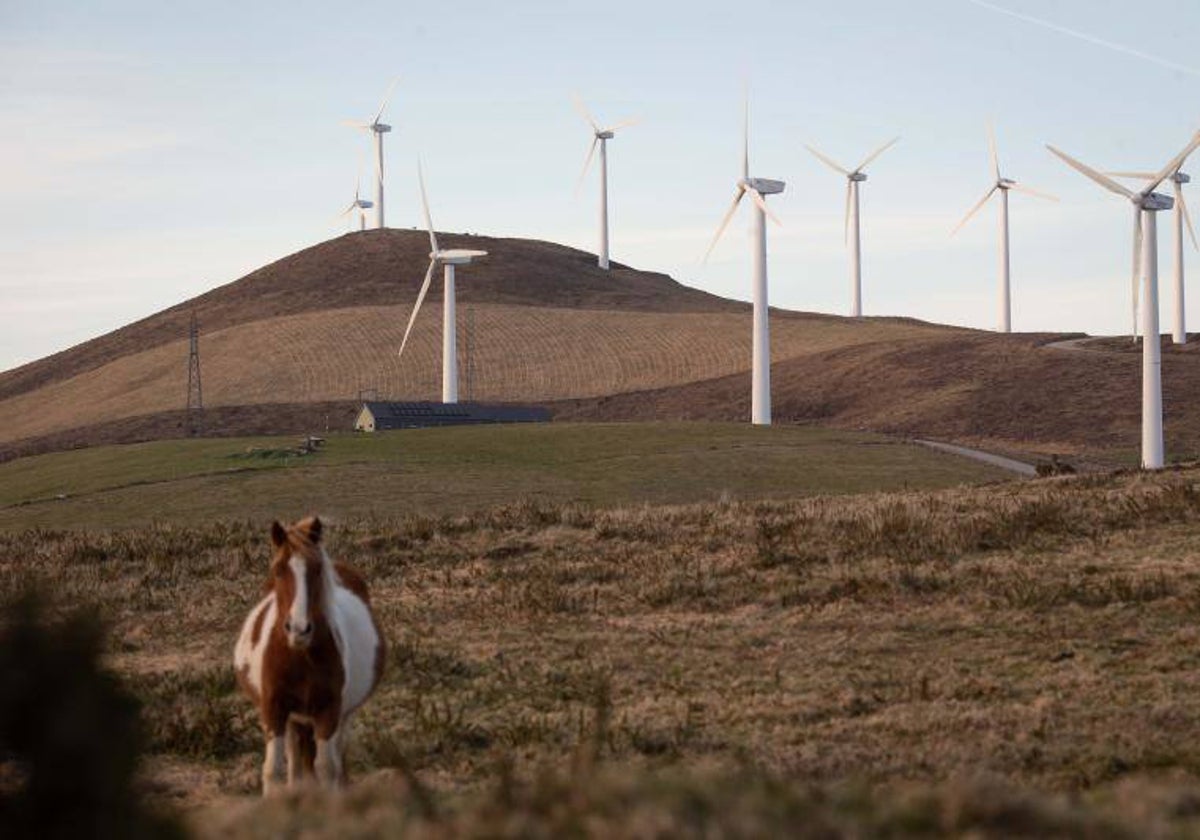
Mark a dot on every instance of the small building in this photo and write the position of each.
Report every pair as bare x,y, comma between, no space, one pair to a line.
381,416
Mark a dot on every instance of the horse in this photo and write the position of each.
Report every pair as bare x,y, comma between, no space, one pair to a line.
309,655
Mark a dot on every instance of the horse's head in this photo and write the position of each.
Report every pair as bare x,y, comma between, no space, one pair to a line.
297,579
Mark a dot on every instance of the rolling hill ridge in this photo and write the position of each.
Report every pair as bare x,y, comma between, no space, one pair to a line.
300,340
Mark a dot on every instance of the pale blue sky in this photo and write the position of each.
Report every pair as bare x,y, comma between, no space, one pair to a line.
150,151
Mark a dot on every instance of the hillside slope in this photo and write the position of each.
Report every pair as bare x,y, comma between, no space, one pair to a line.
539,322
381,268
999,391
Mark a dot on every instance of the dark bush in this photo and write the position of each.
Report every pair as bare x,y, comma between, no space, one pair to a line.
69,732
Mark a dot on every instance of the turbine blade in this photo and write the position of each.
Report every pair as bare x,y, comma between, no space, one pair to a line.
846,227
420,297
587,161
1187,217
992,153
623,124
871,157
757,198
387,96
725,221
1176,162
433,244
974,210
1141,176
582,109
1137,266
1033,192
746,132
828,161
1103,180
356,123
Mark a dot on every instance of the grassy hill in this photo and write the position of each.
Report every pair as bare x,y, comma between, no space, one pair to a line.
1017,392
453,470
325,324
297,341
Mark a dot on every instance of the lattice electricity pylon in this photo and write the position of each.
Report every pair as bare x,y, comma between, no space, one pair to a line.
195,393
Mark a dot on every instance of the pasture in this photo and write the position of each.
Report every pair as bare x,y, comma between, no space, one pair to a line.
1020,657
454,470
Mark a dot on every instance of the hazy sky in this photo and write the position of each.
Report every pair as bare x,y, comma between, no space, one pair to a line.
150,151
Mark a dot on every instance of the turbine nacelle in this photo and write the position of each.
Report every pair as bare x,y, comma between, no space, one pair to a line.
607,134
1006,183
1155,202
364,204
380,128
1181,178
857,176
762,186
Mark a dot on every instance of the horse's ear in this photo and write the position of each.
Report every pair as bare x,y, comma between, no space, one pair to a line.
311,528
278,534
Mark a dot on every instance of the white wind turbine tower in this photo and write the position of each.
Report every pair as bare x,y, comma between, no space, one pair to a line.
377,129
756,188
600,137
1146,203
853,179
1178,179
1003,185
448,258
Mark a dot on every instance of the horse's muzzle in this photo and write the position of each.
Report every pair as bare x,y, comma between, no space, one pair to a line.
298,638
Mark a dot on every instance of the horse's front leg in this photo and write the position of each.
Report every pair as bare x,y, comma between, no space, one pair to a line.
274,765
329,766
274,721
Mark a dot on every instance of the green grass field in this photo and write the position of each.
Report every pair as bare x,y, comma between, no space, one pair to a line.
445,471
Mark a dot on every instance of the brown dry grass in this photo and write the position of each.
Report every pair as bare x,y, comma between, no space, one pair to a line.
380,268
999,392
523,354
770,658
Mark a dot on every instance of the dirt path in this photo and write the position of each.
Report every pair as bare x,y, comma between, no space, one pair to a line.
1077,345
1000,461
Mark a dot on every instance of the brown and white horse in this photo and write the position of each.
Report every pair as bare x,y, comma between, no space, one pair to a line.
309,655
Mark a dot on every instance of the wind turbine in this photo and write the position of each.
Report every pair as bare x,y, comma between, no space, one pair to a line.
756,188
359,204
1146,203
377,129
448,258
1178,178
1003,185
600,137
853,179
